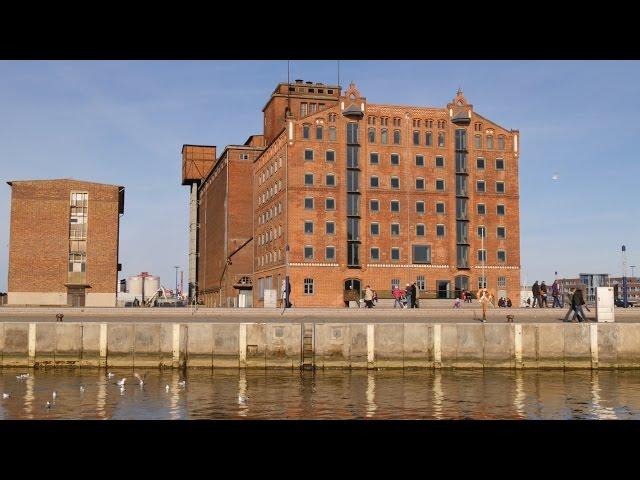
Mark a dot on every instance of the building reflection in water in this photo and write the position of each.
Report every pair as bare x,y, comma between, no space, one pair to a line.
28,396
371,394
438,396
243,408
174,409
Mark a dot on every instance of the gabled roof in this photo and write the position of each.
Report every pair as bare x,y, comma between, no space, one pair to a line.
11,182
353,111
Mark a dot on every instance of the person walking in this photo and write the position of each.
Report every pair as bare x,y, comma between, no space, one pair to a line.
577,302
483,298
555,293
414,295
408,294
397,295
543,294
535,290
368,297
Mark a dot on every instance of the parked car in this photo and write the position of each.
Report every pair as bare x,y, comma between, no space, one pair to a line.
620,303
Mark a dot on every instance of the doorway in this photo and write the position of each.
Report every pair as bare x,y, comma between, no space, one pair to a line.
444,288
352,291
75,296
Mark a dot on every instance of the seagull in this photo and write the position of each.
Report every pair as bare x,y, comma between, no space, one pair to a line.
54,395
121,389
166,388
48,405
140,379
5,395
121,382
81,388
22,376
182,383
110,375
555,177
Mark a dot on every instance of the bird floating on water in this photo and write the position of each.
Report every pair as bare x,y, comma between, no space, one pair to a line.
22,376
121,382
81,388
166,388
121,389
110,375
48,405
5,395
140,379
182,383
54,395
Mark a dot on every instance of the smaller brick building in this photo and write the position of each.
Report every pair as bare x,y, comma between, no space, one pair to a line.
63,246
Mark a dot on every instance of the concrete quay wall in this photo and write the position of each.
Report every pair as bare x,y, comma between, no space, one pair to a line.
335,345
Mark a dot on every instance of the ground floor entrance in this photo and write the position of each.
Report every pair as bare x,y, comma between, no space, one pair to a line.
76,296
444,288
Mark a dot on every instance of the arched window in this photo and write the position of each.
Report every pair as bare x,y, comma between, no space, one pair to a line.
416,137
384,136
489,142
396,137
372,135
319,132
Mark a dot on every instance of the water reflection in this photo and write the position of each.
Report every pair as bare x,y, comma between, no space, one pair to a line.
282,394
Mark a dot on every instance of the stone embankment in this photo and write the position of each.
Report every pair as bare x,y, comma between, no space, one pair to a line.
320,344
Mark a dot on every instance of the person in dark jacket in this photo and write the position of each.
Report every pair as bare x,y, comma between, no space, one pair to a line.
555,293
535,290
543,294
577,301
414,297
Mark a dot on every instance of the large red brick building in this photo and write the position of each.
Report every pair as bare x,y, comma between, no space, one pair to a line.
348,193
63,247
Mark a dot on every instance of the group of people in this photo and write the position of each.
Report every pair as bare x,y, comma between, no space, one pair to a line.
505,302
370,296
540,291
406,298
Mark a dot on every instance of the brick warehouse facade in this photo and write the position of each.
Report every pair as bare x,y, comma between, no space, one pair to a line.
382,194
63,247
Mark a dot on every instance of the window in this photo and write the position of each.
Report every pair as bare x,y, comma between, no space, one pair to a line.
306,131
416,138
395,206
428,139
439,207
375,229
440,185
330,228
500,142
353,204
440,139
480,163
420,230
371,135
244,156
421,254
461,162
308,154
374,205
319,132
374,159
308,203
77,262
419,183
420,207
353,181
395,254
499,163
421,283
501,232
352,157
312,107
439,230
308,227
461,209
462,231
395,159
352,133
480,186
330,204
502,256
308,286
489,142
395,182
477,141
396,137
395,229
482,255
419,160
462,256
500,209
482,232
330,156
330,253
308,178
332,132
308,253
395,283
499,187
374,182
439,162
461,139
482,282
375,254
384,136
502,281
330,180
461,185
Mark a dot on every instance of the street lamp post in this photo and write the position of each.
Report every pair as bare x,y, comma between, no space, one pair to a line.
176,290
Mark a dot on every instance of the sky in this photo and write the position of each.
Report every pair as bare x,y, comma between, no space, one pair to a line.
124,122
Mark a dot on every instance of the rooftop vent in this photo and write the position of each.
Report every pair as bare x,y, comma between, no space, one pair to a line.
309,83
298,80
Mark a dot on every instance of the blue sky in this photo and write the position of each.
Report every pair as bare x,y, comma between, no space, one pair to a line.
125,123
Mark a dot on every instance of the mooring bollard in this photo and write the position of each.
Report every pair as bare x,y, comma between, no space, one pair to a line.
509,318
59,317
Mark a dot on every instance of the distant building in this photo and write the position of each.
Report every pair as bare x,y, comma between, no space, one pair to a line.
633,288
63,247
587,282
